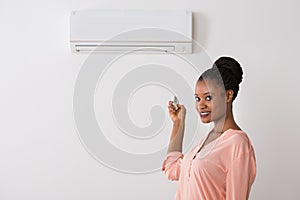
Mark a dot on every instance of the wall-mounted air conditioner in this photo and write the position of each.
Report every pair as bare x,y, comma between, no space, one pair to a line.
115,31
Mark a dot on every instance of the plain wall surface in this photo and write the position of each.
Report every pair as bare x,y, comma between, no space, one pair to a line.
41,154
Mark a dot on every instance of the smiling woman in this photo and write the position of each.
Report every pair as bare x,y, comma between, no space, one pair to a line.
223,165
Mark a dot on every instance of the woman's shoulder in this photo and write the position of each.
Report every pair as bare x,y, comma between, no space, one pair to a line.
236,135
237,140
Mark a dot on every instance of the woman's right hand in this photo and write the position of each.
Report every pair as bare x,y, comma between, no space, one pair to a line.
176,115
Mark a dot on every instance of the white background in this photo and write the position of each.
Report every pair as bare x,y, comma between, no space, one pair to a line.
41,156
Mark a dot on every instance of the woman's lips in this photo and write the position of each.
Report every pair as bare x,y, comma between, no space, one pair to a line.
204,114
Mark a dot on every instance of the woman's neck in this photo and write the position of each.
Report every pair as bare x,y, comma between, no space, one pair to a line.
226,123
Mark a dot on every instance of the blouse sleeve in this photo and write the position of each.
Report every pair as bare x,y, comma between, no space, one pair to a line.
172,165
240,177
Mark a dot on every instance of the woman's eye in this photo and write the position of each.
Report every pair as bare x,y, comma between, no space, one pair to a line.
197,98
208,98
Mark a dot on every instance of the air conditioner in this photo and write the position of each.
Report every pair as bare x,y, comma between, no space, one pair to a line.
136,31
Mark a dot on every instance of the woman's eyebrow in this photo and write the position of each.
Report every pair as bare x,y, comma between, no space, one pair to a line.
205,93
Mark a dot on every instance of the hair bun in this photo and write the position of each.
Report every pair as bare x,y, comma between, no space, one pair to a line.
232,65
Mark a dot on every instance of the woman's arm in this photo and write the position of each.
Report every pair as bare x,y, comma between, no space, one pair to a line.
176,138
240,177
172,164
178,118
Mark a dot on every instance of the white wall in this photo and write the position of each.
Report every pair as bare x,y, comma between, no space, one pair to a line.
41,154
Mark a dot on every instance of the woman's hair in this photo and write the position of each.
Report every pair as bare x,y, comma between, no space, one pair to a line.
225,71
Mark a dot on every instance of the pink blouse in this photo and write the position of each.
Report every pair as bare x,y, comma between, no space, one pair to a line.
226,171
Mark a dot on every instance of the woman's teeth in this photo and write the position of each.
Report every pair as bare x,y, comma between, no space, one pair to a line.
204,114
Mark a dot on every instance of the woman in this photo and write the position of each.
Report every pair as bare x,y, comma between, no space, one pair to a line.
222,165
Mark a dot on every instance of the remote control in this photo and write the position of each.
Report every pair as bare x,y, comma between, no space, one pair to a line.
175,102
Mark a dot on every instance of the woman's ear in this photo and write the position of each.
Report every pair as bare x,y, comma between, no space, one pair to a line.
229,95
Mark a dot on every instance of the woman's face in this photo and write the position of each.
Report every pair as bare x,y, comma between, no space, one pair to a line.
210,101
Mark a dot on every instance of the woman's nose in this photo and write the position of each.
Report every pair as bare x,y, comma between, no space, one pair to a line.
201,104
